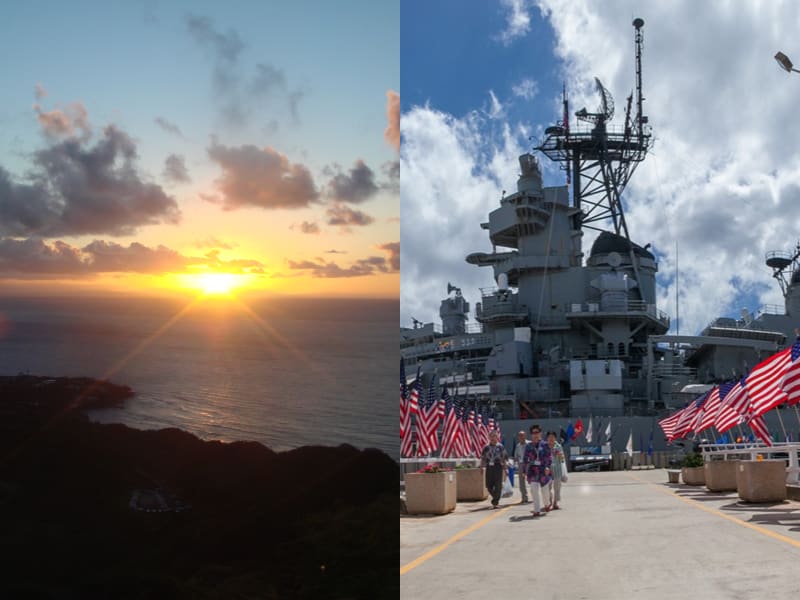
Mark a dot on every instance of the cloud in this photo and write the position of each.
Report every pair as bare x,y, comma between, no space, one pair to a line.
109,257
240,97
358,185
75,189
212,242
721,179
263,178
333,251
518,22
169,127
60,123
236,265
393,248
308,227
175,169
328,270
392,133
526,89
454,171
496,110
39,91
392,170
343,215
34,258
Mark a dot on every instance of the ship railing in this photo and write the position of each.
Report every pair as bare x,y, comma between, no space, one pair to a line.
789,451
473,328
497,309
673,370
631,306
778,254
772,309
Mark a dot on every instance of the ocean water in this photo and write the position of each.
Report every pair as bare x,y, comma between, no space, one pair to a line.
286,372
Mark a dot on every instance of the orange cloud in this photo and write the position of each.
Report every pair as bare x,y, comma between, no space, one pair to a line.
392,133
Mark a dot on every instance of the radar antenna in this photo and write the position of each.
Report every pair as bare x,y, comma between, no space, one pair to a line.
600,161
605,112
780,262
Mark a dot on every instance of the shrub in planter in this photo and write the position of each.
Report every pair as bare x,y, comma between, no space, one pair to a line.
693,472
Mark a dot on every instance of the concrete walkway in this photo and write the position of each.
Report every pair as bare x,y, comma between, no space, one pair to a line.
619,535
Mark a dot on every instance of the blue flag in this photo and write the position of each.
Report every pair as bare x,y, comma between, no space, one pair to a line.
570,431
650,444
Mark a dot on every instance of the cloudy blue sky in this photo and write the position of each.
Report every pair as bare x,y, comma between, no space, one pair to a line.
481,79
253,136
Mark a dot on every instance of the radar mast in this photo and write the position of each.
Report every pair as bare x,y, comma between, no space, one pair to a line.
600,161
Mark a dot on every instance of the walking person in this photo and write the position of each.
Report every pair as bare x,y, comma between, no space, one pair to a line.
494,458
558,470
519,455
537,460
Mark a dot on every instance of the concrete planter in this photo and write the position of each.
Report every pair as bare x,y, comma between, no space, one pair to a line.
673,476
721,475
693,475
431,493
761,480
471,484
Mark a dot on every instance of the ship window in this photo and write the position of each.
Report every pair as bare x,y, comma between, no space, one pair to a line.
621,349
610,349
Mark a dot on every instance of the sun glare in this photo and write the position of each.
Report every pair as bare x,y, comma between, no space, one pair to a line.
213,284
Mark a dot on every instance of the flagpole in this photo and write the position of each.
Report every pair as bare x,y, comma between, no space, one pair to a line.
780,418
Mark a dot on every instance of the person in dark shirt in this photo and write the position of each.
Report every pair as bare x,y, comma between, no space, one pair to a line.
494,458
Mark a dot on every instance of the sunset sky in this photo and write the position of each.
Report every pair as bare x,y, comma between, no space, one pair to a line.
144,144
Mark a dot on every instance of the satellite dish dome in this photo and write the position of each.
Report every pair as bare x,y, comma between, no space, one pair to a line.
502,281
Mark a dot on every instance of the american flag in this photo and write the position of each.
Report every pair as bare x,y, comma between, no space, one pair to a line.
474,435
764,382
726,417
416,388
463,444
407,444
667,424
404,414
684,424
450,428
698,416
428,421
710,410
759,427
483,435
735,405
791,379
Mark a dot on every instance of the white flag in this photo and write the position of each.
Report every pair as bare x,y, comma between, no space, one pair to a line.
629,446
589,431
608,431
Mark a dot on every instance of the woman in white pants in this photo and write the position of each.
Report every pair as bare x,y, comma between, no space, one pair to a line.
558,469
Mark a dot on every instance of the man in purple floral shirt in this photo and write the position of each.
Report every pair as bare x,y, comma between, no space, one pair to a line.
536,463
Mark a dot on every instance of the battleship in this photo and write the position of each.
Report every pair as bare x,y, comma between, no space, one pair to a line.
563,334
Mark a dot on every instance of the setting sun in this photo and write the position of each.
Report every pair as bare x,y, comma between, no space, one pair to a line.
217,284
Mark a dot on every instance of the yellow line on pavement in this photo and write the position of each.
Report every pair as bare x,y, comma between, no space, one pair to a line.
431,553
719,513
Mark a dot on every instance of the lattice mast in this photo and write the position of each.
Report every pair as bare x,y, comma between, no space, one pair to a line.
601,160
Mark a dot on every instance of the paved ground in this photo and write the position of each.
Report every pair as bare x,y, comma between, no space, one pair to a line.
619,535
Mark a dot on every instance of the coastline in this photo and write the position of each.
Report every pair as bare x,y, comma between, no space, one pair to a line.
232,518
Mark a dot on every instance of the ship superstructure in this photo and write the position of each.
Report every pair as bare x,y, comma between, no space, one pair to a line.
565,333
